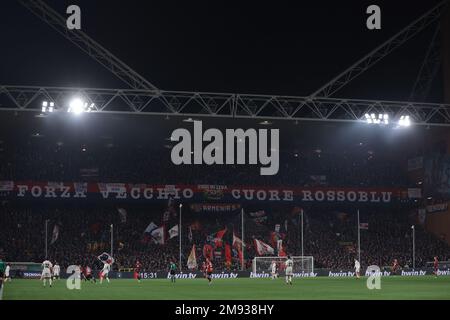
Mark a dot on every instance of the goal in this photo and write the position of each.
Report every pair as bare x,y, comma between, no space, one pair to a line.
441,264
302,264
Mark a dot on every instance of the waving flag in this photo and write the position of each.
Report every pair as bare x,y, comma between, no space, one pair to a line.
259,217
208,251
190,234
237,242
192,259
106,258
263,248
151,226
173,232
122,214
218,238
158,235
364,226
280,249
55,234
228,254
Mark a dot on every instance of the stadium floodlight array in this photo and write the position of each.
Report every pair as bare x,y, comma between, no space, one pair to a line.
78,106
302,264
404,121
380,119
48,106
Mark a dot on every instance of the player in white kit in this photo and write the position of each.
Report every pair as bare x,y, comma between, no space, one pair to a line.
47,272
56,271
7,273
289,270
105,271
273,269
357,268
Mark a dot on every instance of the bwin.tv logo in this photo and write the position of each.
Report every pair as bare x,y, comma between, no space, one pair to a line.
238,143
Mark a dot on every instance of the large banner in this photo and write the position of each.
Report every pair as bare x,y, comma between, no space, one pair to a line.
246,274
197,193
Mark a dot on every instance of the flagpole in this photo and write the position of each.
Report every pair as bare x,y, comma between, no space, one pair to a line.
302,234
179,236
46,239
112,238
359,240
414,246
303,266
242,239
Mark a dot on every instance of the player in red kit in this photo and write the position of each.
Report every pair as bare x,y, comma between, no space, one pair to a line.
209,270
137,271
395,266
88,274
436,266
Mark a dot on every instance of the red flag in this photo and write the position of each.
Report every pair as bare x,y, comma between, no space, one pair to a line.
240,254
280,249
274,238
263,248
218,238
208,251
227,253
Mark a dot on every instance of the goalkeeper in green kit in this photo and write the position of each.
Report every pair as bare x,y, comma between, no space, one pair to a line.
172,269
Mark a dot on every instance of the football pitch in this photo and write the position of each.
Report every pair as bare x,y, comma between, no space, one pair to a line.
392,288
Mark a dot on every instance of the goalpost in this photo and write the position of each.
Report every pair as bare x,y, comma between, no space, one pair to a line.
302,264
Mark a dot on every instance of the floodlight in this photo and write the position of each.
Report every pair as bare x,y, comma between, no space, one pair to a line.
76,106
381,118
404,121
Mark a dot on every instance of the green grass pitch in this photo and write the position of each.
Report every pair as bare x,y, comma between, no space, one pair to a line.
246,289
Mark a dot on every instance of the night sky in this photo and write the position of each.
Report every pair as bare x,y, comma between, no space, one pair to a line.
276,47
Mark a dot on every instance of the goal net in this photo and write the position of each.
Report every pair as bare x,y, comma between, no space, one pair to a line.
302,264
441,264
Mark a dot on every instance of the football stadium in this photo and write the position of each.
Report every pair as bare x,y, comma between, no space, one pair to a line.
143,193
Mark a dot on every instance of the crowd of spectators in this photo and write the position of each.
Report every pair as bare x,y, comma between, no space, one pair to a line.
329,236
84,229
133,163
